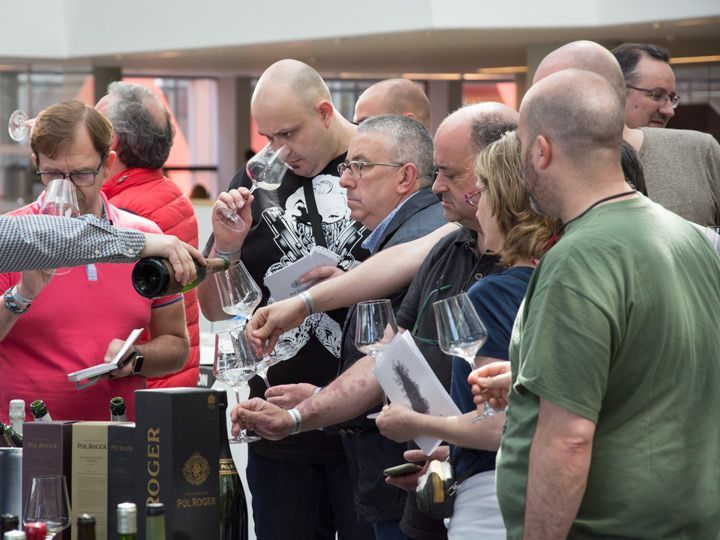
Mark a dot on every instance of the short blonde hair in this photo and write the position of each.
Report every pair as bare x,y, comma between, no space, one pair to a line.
526,233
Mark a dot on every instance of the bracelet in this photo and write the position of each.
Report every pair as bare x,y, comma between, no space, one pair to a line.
14,301
227,254
308,301
295,415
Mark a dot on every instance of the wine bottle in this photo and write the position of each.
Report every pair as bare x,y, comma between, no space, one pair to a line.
86,527
39,411
127,521
154,276
12,437
155,523
8,522
117,410
17,414
233,506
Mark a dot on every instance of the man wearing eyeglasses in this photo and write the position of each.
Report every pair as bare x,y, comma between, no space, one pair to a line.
51,325
650,81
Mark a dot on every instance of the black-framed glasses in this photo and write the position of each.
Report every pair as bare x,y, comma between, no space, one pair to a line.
356,167
79,178
473,198
659,95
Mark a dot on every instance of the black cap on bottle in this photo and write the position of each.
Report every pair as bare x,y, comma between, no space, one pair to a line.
150,277
155,509
9,522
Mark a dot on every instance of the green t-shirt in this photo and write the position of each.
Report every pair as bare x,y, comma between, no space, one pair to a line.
621,325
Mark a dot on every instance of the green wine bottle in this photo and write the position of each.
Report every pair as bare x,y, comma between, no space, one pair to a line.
86,527
117,410
155,522
12,437
39,411
154,276
127,521
233,505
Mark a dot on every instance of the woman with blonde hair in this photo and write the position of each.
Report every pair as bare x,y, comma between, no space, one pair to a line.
519,236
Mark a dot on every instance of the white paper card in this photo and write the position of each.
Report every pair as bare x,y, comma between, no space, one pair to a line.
106,367
284,283
408,379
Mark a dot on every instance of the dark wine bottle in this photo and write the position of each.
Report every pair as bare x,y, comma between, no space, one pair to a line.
155,522
127,521
39,411
233,506
154,276
11,436
8,522
86,527
117,410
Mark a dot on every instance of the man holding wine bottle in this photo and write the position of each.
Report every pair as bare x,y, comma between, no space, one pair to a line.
81,317
304,479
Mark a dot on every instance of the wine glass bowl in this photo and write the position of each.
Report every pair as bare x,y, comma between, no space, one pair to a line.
239,293
235,364
267,168
60,199
375,328
48,502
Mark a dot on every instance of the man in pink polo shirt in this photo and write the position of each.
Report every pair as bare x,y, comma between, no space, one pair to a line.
51,325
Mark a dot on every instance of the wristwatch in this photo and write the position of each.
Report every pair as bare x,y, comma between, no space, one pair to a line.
138,358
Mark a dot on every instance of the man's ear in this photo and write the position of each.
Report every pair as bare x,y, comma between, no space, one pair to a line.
326,111
408,182
114,141
110,160
544,152
34,162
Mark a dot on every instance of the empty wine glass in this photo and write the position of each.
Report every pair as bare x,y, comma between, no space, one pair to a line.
713,236
60,199
235,364
265,364
461,333
47,502
266,169
375,328
239,293
19,125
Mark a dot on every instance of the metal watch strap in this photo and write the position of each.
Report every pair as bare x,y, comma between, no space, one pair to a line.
14,303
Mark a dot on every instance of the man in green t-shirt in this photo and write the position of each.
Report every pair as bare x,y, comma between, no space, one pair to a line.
613,426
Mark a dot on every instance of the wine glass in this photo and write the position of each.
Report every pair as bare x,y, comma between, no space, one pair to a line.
60,199
19,125
235,364
265,364
461,333
375,328
47,501
713,236
239,293
266,169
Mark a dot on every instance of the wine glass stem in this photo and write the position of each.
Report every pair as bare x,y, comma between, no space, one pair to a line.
253,187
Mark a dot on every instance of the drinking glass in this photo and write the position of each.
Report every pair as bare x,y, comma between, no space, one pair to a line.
461,333
19,125
235,364
266,170
266,363
48,502
375,328
239,293
713,236
60,199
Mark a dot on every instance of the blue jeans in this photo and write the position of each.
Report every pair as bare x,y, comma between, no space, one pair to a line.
302,501
389,530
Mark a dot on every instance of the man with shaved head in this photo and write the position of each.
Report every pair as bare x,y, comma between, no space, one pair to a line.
682,167
394,96
615,347
301,487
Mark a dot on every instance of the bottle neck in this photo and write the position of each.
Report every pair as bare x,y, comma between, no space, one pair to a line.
216,264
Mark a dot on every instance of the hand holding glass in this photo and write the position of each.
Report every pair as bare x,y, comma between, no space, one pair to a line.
48,502
375,328
235,364
461,332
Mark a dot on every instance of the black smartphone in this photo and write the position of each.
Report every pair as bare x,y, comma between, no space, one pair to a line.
402,470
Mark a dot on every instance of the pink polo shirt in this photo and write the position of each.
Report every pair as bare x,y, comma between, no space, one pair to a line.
69,327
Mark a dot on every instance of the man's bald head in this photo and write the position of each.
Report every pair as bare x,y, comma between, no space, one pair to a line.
290,79
394,96
584,55
478,118
578,111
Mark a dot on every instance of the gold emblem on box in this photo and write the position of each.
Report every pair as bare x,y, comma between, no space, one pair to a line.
196,469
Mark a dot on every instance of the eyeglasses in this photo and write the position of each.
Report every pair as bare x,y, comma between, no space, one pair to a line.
658,95
356,167
79,178
473,198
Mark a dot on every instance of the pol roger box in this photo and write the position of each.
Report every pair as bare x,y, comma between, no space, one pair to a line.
177,460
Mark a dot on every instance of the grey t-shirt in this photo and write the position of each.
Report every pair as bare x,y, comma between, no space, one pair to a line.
682,172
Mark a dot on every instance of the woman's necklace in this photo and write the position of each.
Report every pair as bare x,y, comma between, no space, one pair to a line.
556,236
